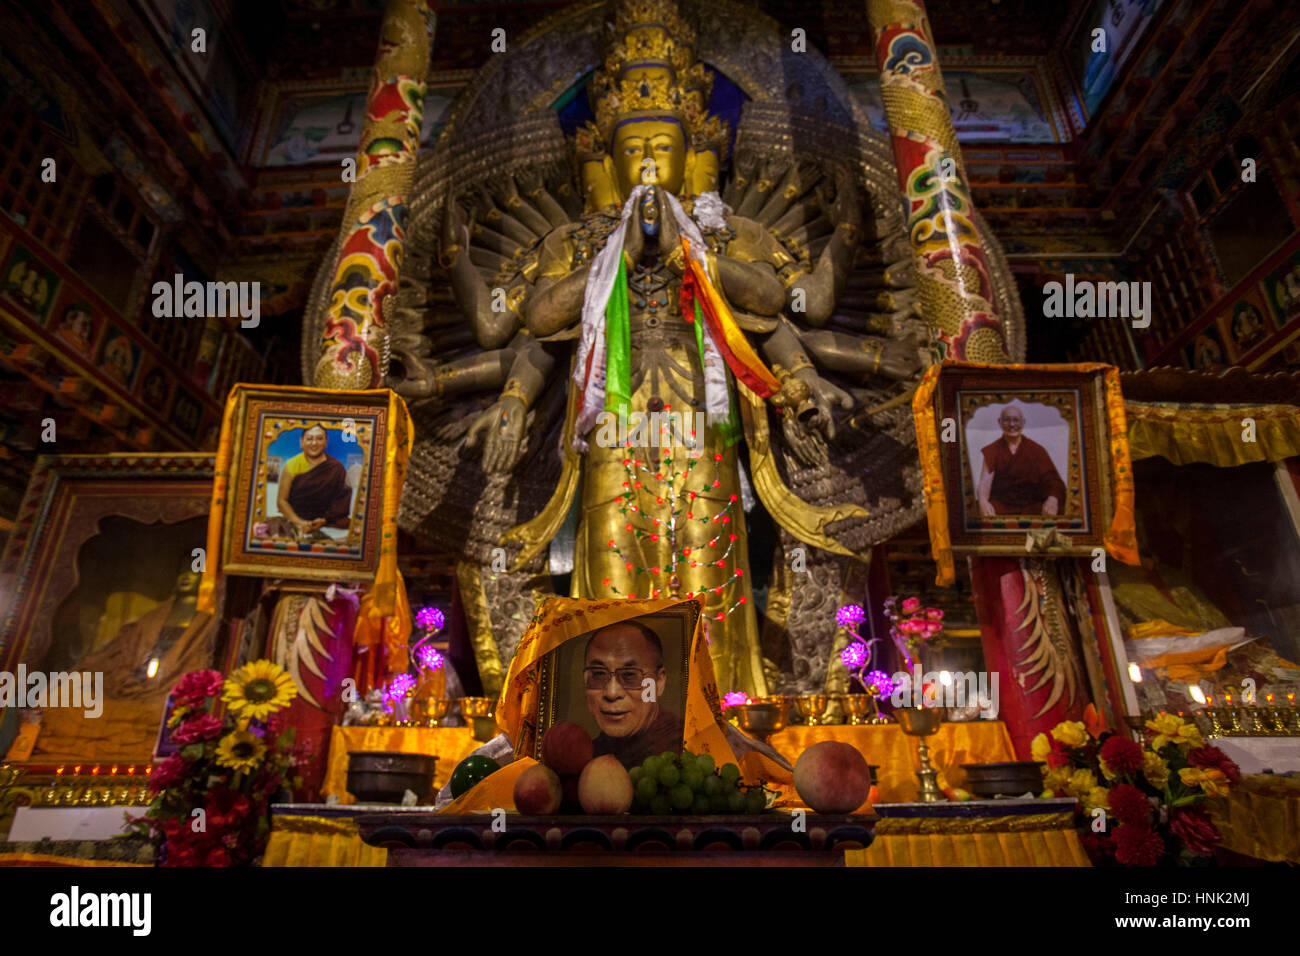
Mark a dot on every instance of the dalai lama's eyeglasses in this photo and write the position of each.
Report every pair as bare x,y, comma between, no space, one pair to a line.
629,677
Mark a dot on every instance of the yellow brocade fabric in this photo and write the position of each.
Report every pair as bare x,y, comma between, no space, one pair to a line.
392,631
319,841
1047,839
47,859
1213,435
450,745
1120,538
397,452
1261,818
895,753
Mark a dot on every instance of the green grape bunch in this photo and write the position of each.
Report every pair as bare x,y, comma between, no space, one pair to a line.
688,783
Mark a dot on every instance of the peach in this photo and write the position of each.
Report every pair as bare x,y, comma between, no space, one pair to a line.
605,787
566,748
538,791
832,777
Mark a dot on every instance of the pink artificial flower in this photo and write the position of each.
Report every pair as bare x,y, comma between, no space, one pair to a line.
167,773
934,613
196,687
198,728
911,604
912,626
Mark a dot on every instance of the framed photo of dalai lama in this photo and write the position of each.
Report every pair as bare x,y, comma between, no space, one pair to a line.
305,486
624,683
1025,453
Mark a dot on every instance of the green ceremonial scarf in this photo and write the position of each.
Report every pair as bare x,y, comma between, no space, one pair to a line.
618,347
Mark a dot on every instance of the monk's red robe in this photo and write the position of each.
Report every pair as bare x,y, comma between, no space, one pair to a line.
1024,480
323,492
664,733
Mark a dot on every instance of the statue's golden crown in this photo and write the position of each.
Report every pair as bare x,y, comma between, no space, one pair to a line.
657,47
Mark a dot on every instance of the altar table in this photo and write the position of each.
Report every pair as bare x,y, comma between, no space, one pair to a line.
974,833
1260,817
977,741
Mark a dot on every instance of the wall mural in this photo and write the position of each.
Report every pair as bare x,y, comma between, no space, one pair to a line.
316,127
986,106
1093,71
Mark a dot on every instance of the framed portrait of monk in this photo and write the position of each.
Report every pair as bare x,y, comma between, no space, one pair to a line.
101,576
624,683
1025,454
306,484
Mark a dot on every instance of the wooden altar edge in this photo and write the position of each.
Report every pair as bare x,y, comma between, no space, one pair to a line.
616,834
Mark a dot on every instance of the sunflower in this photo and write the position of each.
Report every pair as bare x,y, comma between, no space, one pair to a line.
240,750
258,689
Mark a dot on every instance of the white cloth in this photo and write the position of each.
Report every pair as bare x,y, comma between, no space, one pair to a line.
600,285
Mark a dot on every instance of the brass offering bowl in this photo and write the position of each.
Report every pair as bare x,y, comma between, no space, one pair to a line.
811,707
921,722
862,709
431,710
478,711
762,716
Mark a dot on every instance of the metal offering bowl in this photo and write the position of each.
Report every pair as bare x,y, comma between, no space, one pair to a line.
811,707
919,721
477,706
762,716
431,710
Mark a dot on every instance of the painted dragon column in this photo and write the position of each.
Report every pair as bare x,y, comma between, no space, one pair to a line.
959,305
355,341
952,268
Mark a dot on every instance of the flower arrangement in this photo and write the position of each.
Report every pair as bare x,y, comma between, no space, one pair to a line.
425,659
1151,792
910,626
210,799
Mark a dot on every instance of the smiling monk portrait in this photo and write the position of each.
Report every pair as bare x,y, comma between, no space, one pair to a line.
314,491
624,677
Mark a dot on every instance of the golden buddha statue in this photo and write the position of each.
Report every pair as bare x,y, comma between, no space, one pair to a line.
797,350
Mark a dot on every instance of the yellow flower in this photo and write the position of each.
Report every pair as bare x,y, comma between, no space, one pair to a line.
1212,781
1170,728
1105,770
258,689
1072,733
1082,782
1097,797
178,714
1056,779
1040,748
240,750
1155,769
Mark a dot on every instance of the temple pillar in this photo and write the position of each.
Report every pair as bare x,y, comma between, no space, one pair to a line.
953,275
355,340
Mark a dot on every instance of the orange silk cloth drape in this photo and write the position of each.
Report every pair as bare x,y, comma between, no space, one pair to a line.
977,741
1047,839
1261,818
450,745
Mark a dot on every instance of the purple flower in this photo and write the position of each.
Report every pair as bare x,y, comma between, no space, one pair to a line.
429,657
854,655
849,615
429,619
734,699
400,686
881,683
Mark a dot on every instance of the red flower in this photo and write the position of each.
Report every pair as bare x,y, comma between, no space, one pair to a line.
181,855
196,687
1129,805
1137,845
1212,758
194,729
1195,830
167,773
1122,755
217,857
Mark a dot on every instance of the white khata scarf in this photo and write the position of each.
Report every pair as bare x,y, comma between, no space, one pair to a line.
589,372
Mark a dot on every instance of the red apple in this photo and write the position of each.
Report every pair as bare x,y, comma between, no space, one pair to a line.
605,786
832,777
538,791
566,748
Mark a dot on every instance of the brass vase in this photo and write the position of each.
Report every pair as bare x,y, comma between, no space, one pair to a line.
922,722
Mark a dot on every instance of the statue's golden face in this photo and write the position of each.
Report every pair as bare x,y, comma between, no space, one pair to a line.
660,140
